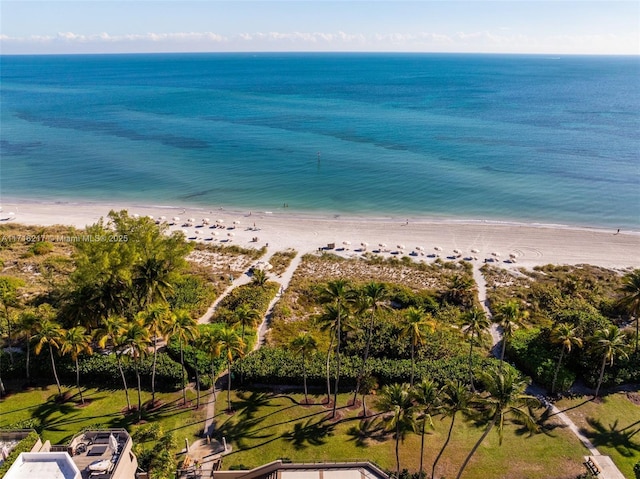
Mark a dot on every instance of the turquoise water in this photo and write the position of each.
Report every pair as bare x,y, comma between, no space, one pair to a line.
526,138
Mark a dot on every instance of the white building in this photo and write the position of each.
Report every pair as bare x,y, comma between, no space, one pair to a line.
43,465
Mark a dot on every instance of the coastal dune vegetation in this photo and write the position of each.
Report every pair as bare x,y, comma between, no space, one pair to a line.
389,360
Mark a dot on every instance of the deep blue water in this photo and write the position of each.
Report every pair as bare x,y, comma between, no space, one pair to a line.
497,137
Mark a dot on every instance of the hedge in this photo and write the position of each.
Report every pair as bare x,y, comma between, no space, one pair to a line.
280,366
23,446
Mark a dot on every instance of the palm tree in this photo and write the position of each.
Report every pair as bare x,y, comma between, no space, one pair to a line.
136,340
9,299
151,280
509,316
232,345
455,398
76,341
27,326
475,324
504,397
427,396
373,299
50,333
396,399
113,331
610,342
183,328
259,277
631,299
304,344
460,290
339,293
415,320
246,316
327,322
157,318
368,384
566,336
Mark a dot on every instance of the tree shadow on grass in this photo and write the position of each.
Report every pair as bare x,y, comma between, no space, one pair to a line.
240,431
249,404
368,430
309,434
623,440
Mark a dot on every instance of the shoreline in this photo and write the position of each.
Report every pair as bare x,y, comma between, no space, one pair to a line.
531,244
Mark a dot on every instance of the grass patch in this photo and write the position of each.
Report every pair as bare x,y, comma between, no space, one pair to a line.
268,426
105,408
612,423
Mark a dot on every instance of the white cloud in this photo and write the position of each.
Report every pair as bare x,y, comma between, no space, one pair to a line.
476,41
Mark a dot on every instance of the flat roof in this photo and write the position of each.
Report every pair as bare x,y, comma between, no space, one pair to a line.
52,465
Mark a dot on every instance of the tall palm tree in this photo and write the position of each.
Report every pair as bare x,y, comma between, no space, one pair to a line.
509,316
395,401
427,396
475,325
339,293
209,342
136,340
566,336
157,318
455,398
414,323
610,342
304,344
231,345
49,333
504,398
9,299
327,322
372,299
151,280
183,328
368,384
246,316
27,326
113,331
461,290
631,299
76,341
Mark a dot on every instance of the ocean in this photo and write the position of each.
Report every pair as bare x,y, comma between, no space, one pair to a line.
533,139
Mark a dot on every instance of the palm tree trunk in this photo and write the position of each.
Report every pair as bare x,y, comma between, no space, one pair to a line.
213,381
184,391
139,391
444,446
2,389
364,360
335,391
484,435
637,324
55,373
473,387
153,372
229,385
329,351
555,374
304,377
504,347
413,363
364,405
397,450
28,359
6,315
197,386
78,381
424,420
604,363
124,382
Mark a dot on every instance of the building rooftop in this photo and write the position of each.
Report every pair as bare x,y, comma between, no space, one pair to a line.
52,465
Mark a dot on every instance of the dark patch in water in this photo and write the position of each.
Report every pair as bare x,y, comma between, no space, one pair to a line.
196,194
20,148
113,129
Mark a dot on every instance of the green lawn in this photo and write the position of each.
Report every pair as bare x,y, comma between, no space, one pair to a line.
612,424
105,408
266,427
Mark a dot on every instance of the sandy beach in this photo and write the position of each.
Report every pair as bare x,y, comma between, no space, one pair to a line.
528,244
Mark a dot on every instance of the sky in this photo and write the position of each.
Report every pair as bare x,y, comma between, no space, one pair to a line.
450,26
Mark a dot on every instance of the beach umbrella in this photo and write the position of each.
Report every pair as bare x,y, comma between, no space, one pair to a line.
419,248
136,215
220,221
456,251
163,218
346,243
150,217
176,219
364,244
236,222
205,221
382,245
197,232
230,234
268,266
513,256
400,246
11,213
191,220
495,253
438,248
215,233
474,250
